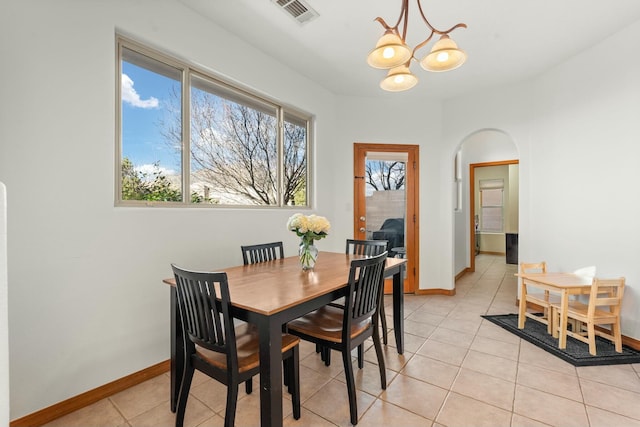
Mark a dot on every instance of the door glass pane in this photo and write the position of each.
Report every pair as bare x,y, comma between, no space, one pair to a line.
385,196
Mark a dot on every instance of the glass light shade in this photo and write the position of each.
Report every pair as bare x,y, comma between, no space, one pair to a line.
399,79
444,56
390,51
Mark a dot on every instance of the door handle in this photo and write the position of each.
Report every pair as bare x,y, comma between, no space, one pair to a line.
363,218
362,229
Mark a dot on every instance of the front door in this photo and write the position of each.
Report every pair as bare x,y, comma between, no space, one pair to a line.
386,201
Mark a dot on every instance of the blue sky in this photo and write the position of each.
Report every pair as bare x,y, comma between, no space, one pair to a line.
145,102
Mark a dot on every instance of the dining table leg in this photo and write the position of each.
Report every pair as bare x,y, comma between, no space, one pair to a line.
270,332
564,306
398,308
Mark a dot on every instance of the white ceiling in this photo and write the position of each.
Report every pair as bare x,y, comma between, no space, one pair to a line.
506,40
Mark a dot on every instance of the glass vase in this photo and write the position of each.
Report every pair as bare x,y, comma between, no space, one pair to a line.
308,254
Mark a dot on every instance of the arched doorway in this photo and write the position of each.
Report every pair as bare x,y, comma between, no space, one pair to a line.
485,146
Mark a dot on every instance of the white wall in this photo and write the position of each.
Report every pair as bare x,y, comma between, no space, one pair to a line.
577,130
87,302
4,312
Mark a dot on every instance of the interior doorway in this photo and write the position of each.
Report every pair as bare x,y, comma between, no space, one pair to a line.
386,201
481,146
506,223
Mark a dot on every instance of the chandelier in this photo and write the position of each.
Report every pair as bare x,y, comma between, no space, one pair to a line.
392,52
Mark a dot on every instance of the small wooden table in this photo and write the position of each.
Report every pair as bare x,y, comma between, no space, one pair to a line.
563,283
269,294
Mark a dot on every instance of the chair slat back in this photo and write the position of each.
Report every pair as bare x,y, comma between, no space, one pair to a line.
606,293
204,304
366,247
366,281
252,254
533,267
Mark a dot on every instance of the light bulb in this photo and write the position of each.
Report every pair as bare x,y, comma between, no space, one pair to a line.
442,57
388,53
398,79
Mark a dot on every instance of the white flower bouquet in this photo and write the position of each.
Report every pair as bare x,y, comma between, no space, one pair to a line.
308,228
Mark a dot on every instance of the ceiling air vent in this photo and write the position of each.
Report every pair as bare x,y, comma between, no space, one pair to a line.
298,10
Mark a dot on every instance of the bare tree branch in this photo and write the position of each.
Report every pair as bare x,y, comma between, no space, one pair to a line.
234,150
385,175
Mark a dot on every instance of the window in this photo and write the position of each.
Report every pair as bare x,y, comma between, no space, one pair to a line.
187,138
491,201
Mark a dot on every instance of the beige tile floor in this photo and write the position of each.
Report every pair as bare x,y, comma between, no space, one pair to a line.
457,370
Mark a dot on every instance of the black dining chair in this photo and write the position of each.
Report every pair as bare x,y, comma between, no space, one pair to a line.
366,248
347,327
215,346
262,252
370,248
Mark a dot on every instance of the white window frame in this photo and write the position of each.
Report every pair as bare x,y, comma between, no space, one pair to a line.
282,112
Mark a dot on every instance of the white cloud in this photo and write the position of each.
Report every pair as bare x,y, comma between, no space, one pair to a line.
150,169
132,97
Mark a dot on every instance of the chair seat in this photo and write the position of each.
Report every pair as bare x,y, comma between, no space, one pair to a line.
326,324
580,311
248,343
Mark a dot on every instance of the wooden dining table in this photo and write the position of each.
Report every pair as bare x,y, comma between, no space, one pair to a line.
565,284
272,293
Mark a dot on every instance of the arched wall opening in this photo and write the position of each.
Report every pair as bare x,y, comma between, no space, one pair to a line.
480,147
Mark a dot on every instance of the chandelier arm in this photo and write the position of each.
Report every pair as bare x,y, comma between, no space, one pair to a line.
405,11
460,25
383,23
426,21
421,45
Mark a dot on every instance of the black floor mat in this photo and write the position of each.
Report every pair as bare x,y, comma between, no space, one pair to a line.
576,353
